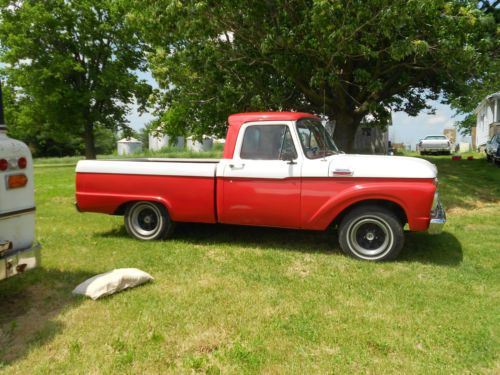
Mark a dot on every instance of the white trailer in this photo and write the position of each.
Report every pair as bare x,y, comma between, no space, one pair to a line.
18,250
488,119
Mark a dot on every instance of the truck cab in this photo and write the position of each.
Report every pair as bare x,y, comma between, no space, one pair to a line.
19,251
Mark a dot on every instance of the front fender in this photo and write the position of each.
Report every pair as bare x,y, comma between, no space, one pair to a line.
413,196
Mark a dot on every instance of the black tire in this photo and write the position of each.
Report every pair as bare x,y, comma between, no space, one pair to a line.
371,233
488,158
148,221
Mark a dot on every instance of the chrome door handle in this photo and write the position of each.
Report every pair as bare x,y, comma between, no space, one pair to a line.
236,166
341,172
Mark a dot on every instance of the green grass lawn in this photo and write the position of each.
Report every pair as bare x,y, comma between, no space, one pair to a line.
251,300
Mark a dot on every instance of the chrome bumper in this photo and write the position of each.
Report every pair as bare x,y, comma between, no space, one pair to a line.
438,219
19,261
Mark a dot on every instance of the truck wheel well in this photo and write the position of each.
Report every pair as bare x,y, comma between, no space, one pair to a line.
122,208
394,207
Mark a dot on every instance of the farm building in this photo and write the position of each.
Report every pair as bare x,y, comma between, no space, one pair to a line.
127,146
488,120
157,141
451,134
205,145
369,138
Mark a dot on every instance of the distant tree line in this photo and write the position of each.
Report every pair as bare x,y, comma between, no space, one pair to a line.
71,72
71,67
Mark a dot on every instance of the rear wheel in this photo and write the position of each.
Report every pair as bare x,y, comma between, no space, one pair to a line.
148,221
371,233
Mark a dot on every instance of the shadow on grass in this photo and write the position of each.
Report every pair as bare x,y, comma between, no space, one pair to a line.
29,306
467,184
443,249
246,236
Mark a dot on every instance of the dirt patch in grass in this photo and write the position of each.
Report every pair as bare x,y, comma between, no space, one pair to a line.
23,316
301,267
206,341
30,310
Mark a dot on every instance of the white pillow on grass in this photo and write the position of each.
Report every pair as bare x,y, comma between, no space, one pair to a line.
112,282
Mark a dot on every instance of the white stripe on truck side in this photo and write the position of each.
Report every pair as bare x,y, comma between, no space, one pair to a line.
147,168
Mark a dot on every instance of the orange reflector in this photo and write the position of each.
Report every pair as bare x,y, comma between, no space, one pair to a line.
16,181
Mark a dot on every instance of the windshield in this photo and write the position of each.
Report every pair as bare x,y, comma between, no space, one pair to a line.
315,140
435,137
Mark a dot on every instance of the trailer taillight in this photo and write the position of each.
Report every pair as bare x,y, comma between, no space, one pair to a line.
4,164
22,162
16,181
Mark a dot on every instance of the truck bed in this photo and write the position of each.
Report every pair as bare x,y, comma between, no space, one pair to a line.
185,186
171,160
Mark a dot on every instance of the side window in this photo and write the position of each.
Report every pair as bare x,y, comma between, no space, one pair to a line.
288,150
308,138
268,142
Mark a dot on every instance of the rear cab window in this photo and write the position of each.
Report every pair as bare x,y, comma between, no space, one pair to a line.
268,142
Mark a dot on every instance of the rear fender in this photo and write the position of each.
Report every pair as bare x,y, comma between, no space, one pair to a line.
115,204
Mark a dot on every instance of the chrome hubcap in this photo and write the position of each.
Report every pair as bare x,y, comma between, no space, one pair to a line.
146,220
370,237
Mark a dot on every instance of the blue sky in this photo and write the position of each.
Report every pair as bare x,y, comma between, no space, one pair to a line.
405,129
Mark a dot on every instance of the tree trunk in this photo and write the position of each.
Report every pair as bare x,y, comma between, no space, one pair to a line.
89,141
346,125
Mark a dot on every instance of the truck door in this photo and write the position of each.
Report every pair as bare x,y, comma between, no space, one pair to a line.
261,184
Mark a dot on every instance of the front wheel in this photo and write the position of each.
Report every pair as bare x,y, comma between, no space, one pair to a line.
371,233
148,221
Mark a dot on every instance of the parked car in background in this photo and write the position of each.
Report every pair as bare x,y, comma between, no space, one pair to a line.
435,144
492,149
18,250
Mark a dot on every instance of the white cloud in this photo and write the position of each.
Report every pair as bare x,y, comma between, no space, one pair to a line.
437,119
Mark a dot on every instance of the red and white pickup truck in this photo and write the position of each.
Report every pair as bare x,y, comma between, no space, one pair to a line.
279,169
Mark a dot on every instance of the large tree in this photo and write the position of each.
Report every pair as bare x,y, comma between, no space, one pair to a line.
340,58
475,90
71,65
